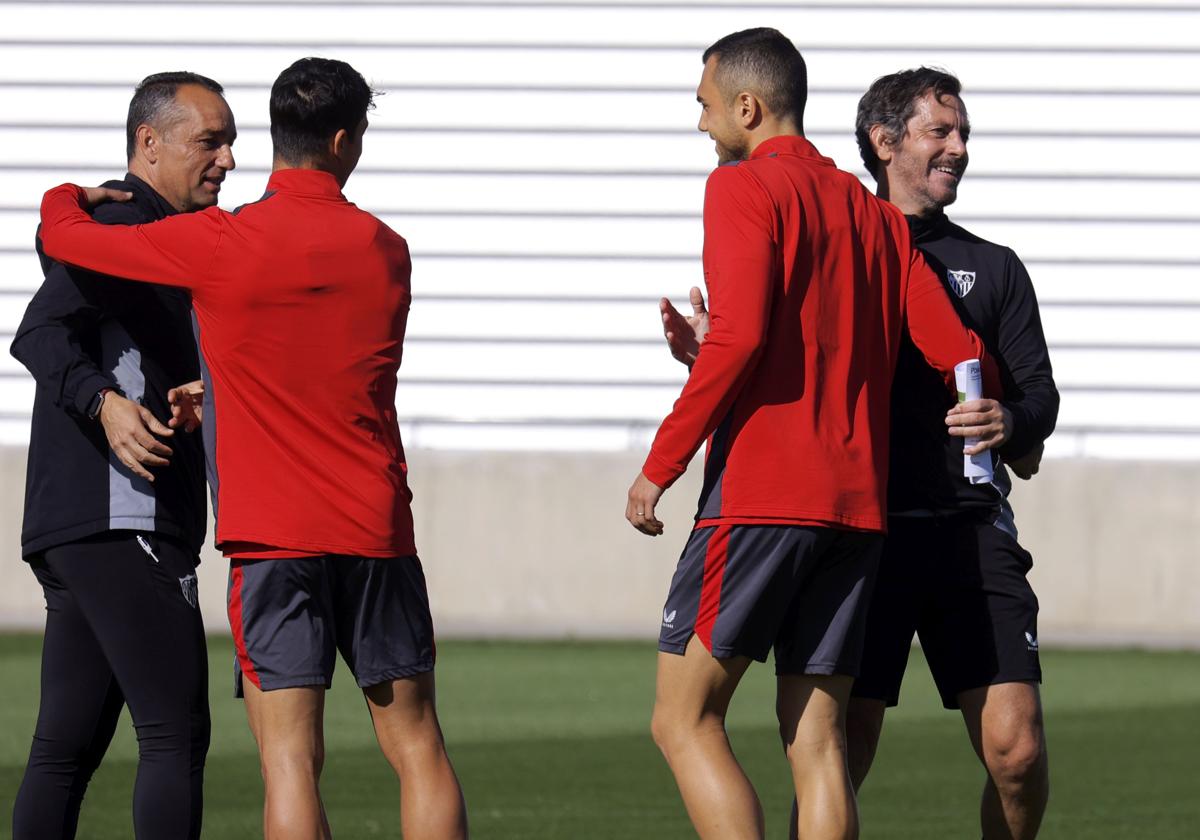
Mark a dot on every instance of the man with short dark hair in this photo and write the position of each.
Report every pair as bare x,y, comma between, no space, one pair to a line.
114,517
301,300
952,570
811,280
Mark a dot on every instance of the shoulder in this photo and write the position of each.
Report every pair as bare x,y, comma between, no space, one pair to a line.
137,210
737,184
1001,256
249,205
977,243
380,232
731,175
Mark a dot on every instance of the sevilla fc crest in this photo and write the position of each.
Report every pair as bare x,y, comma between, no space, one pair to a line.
962,281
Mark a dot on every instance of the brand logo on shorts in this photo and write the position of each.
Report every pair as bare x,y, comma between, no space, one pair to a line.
1031,641
962,281
668,618
191,591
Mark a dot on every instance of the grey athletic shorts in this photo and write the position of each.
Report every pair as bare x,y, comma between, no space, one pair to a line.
743,589
290,617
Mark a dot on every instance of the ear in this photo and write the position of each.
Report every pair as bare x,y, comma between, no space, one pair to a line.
881,142
337,146
146,143
747,110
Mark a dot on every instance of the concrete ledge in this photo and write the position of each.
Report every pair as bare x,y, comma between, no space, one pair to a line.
535,545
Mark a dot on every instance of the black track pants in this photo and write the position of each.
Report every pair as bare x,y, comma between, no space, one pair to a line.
122,627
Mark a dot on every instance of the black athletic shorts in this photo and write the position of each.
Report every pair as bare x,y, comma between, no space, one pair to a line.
745,588
959,583
290,617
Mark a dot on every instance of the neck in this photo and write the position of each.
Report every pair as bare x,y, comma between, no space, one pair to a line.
908,206
773,127
145,172
280,165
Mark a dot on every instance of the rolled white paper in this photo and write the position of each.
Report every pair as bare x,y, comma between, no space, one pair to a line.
969,378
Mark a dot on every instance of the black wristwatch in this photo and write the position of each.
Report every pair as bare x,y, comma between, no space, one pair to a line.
97,403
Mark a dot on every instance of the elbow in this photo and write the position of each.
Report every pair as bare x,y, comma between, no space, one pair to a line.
17,348
748,349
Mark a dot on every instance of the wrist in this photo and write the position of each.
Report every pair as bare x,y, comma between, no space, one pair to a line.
97,404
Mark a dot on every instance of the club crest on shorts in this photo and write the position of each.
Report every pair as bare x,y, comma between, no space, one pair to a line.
191,590
962,281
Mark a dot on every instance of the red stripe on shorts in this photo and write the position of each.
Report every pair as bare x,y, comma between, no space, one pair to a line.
715,557
237,622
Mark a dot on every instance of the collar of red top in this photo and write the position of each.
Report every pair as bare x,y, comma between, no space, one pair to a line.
788,144
307,181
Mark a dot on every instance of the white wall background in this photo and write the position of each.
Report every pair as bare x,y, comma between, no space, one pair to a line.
542,161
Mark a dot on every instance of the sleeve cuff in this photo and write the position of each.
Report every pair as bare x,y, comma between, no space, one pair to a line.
86,391
659,472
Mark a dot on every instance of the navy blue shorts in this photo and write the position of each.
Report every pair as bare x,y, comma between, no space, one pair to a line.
290,617
959,583
743,589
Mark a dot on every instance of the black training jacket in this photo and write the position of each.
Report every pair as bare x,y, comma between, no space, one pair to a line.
83,332
992,292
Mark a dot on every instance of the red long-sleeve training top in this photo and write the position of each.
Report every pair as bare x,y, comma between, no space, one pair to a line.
301,301
810,281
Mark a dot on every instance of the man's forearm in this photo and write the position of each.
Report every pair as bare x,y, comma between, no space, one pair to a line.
175,251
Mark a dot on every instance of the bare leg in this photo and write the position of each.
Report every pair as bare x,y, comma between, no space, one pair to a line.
287,724
812,723
1005,725
691,700
864,725
406,724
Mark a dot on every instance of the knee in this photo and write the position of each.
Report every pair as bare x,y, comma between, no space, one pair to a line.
176,736
662,729
288,765
812,743
1015,759
673,731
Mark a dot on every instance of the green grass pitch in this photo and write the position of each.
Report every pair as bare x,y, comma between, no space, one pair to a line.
550,741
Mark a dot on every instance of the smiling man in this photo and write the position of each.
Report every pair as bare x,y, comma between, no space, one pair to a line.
812,280
952,570
114,517
301,301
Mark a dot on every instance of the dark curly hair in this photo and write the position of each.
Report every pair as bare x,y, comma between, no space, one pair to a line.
892,100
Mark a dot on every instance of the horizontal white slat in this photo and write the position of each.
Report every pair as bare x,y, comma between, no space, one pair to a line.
650,25
94,155
1112,326
665,111
649,362
127,64
979,196
638,320
1056,285
683,237
1116,410
1147,368
1124,446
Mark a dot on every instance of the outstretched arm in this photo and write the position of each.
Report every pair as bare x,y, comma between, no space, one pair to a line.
938,332
176,251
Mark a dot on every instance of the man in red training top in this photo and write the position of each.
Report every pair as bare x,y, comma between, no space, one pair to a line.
301,301
811,280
